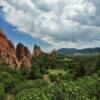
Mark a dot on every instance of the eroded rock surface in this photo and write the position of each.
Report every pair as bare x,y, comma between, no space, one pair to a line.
52,55
37,51
7,52
23,55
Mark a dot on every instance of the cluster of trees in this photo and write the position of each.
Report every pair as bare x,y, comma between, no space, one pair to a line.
79,66
85,65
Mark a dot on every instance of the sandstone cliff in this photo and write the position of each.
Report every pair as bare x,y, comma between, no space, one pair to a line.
11,56
7,52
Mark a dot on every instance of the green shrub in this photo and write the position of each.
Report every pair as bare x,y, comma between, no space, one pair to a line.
54,78
28,84
2,92
35,74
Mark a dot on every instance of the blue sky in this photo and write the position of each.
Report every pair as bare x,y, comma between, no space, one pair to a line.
19,36
52,23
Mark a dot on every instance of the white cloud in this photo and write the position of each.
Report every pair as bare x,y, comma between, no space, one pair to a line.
62,23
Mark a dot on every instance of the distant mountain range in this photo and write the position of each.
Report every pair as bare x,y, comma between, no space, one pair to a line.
78,51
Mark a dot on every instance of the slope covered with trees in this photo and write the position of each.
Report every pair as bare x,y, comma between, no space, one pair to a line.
68,78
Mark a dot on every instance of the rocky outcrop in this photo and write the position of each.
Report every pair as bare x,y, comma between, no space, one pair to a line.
37,51
23,55
7,52
19,56
11,56
52,55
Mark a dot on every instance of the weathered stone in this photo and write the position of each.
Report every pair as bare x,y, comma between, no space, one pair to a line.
23,55
52,55
37,51
8,52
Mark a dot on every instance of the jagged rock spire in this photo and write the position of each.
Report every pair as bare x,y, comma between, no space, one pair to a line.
23,55
37,51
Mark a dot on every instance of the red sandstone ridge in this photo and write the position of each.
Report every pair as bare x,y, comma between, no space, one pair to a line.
14,58
23,55
7,52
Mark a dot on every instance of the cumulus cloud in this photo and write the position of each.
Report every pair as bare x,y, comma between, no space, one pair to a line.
61,23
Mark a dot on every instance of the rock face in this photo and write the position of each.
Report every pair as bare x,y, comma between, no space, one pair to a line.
52,55
37,51
23,55
7,52
14,58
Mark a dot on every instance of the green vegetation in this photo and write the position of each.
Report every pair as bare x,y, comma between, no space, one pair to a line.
56,71
87,88
66,78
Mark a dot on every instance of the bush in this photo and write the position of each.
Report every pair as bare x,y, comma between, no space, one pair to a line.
67,76
54,78
24,73
28,84
43,71
2,92
36,75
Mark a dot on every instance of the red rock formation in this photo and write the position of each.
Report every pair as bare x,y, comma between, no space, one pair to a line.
23,55
37,51
52,55
7,51
12,57
27,53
